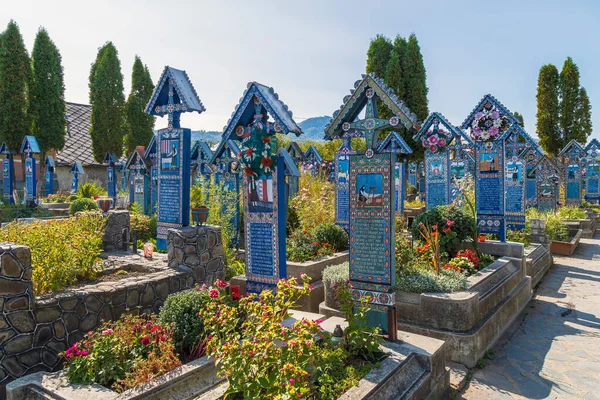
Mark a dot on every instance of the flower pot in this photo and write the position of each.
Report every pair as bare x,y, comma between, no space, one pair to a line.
481,238
104,204
200,215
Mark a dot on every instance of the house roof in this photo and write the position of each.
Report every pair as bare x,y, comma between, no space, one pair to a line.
78,142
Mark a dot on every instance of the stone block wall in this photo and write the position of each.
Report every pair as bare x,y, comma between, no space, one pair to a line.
113,234
198,249
34,330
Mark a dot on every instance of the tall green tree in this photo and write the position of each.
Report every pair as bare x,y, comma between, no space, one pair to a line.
15,76
378,55
520,118
108,103
583,117
416,79
400,45
547,127
569,93
393,74
46,96
139,124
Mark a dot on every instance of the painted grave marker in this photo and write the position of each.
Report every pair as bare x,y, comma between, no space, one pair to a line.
29,148
394,144
174,94
592,176
8,169
76,170
139,179
49,175
264,189
342,183
488,122
227,177
547,175
201,156
573,157
299,158
152,155
112,162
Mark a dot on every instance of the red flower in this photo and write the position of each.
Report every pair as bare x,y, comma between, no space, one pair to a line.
221,284
434,234
214,293
235,292
434,227
447,230
248,171
249,151
449,222
145,340
266,162
266,139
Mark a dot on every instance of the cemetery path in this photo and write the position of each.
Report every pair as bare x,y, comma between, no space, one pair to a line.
553,351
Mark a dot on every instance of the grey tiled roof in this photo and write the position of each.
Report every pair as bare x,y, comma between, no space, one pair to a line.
78,142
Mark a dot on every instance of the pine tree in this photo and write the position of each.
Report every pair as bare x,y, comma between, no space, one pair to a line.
108,103
46,101
569,92
583,117
378,55
15,76
547,126
519,118
139,124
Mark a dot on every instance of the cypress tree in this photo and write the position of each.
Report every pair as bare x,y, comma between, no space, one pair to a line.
583,117
519,117
393,74
415,76
108,103
547,127
15,75
378,55
569,92
139,124
400,45
46,102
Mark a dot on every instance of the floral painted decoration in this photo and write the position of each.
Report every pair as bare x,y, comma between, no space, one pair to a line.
488,124
436,140
257,150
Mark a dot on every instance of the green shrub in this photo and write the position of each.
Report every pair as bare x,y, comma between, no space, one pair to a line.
82,204
90,190
571,212
519,236
556,229
62,250
181,312
461,229
427,281
9,212
144,225
331,233
293,221
336,274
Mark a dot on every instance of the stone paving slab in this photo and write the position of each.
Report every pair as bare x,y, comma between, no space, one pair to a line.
553,351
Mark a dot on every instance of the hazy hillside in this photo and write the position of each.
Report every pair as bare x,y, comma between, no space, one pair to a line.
313,128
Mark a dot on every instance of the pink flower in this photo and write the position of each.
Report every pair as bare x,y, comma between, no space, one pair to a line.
292,380
311,287
145,340
433,139
148,325
446,230
433,149
214,293
449,222
107,332
221,284
441,142
203,287
82,353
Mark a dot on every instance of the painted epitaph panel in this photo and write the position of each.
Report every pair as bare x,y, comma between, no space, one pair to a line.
265,230
436,178
592,187
173,181
342,184
573,158
489,186
372,229
7,175
547,184
399,179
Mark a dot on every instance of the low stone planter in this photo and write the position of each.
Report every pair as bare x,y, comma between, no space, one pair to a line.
588,227
469,321
566,248
185,382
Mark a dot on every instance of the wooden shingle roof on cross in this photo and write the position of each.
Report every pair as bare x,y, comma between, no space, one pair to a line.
137,160
435,119
546,164
228,148
364,94
4,149
573,148
394,143
312,154
517,129
30,145
593,145
290,166
260,97
495,103
110,159
184,95
295,152
77,168
49,162
151,148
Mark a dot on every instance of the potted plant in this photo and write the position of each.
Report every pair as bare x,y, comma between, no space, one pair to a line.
199,209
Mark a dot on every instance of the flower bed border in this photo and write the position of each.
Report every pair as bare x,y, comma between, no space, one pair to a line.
566,248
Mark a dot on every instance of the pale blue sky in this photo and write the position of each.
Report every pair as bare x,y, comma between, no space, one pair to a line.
312,51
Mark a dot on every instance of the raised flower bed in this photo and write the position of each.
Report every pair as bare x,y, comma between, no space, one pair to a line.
566,248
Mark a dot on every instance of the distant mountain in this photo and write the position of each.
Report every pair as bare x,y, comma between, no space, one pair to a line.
206,136
313,128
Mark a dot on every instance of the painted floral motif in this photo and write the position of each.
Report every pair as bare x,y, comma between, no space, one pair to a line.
488,124
257,151
436,140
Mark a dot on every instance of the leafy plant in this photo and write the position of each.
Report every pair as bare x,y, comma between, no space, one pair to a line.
180,311
414,280
90,190
234,269
462,265
82,204
414,203
62,250
454,226
518,236
331,233
144,225
556,229
411,189
336,274
314,203
571,212
122,354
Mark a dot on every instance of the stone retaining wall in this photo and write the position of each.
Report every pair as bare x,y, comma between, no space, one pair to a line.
117,221
34,330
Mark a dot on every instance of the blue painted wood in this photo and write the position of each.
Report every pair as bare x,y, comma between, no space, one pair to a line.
342,183
592,173
76,170
49,176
